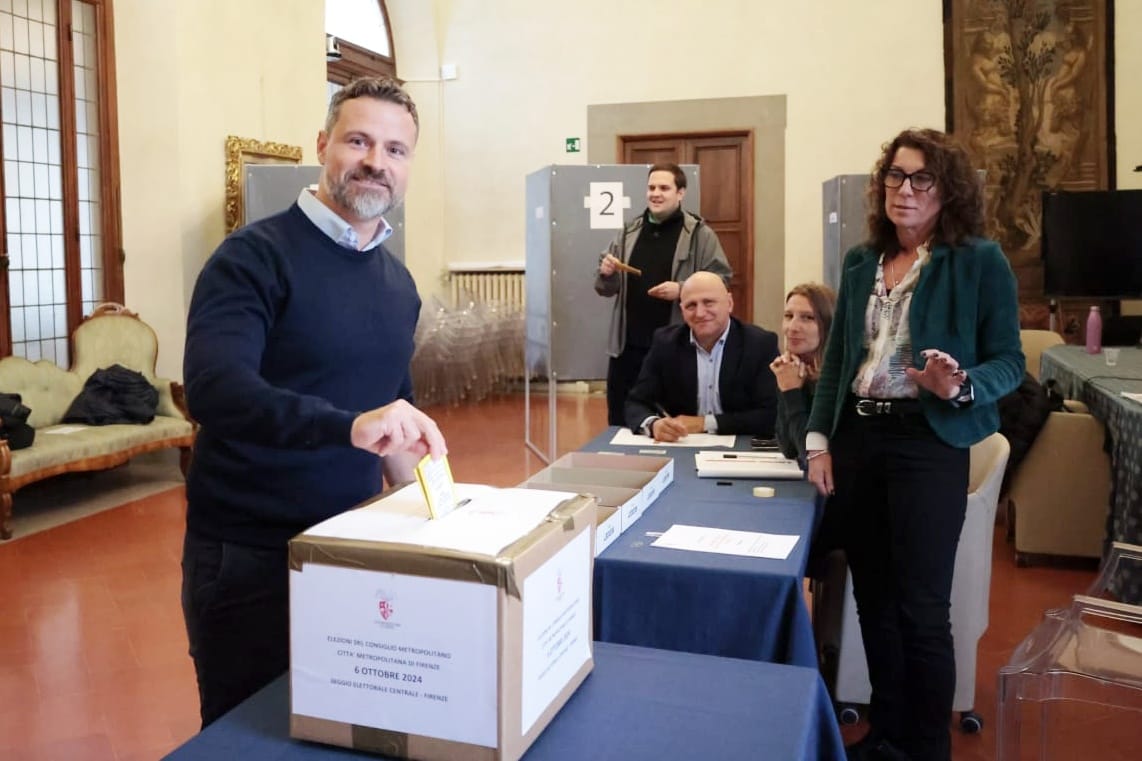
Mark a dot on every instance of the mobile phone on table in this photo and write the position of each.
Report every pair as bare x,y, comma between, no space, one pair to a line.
764,445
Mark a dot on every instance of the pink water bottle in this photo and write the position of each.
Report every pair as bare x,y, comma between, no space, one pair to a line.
1094,331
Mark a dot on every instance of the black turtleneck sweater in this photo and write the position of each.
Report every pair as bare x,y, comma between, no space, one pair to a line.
653,253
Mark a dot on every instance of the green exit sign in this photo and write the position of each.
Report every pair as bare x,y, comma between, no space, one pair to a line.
572,145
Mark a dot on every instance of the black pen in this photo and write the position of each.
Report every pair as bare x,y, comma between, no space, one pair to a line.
661,410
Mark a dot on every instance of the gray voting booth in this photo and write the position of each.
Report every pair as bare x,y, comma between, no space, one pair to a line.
270,188
572,215
845,221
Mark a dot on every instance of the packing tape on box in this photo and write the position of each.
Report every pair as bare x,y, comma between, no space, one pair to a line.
764,491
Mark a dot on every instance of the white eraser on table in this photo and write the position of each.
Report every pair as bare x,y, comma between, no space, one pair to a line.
763,491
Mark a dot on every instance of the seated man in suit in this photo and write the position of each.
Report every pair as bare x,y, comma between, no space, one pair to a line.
710,374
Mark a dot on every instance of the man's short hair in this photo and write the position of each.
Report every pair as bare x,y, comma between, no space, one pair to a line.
381,88
674,169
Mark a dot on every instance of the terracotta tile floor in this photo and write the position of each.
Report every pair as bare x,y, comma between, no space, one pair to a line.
93,660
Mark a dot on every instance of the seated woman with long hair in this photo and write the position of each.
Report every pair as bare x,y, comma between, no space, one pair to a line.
805,326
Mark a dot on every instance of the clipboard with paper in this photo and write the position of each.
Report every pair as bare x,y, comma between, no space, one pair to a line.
771,465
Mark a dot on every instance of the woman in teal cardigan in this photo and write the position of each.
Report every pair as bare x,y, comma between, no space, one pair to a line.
925,340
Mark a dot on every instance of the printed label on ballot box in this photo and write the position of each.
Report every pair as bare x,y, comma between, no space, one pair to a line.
385,650
556,626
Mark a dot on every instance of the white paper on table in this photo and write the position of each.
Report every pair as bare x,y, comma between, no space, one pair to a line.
625,438
1135,397
490,520
556,626
727,542
772,457
63,429
394,651
746,465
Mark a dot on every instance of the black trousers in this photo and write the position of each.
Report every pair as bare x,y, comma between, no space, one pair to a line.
901,494
235,600
622,372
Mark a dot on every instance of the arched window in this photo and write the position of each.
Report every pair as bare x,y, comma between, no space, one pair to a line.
359,40
59,215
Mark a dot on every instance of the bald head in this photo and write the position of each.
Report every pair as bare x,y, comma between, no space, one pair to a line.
705,281
706,307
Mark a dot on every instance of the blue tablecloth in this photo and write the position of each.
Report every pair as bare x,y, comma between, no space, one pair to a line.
1089,379
702,602
637,704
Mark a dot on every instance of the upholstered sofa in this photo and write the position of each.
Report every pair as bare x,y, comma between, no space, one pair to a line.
1059,496
112,335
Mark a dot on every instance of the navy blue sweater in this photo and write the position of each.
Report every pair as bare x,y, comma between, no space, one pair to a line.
289,337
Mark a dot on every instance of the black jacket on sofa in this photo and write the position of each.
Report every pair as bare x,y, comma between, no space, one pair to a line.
14,426
114,395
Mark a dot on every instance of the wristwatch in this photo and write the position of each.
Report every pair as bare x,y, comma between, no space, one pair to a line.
966,394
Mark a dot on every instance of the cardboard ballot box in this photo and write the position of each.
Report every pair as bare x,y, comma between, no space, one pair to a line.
589,472
456,638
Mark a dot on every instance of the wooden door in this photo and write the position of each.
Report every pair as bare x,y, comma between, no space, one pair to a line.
726,170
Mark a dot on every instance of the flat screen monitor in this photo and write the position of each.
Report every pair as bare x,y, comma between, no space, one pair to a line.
1092,244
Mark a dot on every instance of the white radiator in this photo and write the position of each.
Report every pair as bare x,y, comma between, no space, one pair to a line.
486,285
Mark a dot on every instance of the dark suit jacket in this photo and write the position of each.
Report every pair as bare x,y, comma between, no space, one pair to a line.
669,377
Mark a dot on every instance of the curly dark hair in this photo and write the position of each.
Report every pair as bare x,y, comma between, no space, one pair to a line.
961,193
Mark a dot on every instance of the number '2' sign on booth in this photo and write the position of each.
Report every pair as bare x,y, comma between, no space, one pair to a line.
607,204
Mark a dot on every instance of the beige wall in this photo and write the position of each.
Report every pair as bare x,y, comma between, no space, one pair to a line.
191,73
1128,102
1127,92
528,71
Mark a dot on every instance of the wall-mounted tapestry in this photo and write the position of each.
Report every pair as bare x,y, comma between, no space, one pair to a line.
1029,95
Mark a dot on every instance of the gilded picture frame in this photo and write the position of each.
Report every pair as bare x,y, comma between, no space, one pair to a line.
241,151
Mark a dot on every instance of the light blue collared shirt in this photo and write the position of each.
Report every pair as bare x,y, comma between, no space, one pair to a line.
336,228
709,373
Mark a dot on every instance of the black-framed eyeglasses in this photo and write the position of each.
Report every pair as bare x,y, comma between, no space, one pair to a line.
922,180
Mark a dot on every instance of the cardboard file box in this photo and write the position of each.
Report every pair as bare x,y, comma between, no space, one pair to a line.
649,475
412,638
613,501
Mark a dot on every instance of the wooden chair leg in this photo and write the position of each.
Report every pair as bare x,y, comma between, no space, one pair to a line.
6,515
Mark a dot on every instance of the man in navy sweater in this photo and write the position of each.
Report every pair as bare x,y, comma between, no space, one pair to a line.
298,344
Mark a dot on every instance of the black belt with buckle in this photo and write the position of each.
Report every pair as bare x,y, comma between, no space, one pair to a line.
871,407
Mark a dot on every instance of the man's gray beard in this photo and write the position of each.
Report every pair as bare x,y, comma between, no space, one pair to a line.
366,204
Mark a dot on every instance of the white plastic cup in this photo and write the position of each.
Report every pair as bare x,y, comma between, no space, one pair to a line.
1111,355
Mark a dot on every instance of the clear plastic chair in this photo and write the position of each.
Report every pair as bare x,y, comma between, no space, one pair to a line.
1121,575
1073,687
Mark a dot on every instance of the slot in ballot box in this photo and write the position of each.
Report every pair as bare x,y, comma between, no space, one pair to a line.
455,638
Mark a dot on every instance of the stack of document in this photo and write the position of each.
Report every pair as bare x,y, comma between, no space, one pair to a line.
746,465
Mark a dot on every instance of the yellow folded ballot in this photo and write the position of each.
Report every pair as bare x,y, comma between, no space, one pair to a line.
435,478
